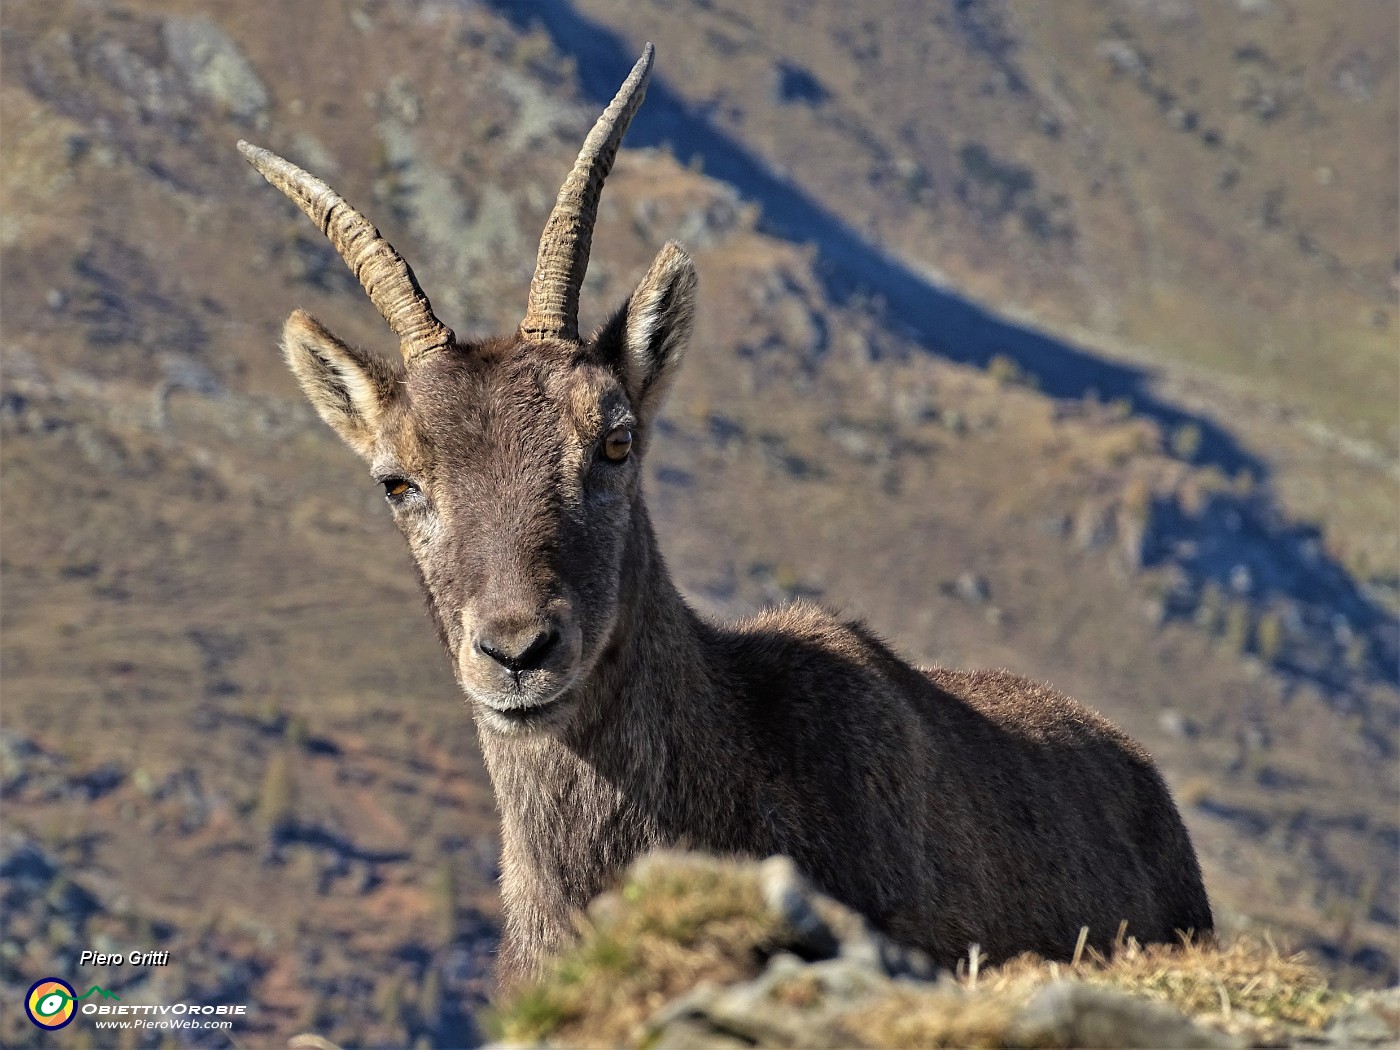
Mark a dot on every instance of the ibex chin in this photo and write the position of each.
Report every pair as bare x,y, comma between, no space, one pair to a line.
948,807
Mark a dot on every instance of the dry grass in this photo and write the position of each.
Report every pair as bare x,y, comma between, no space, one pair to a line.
1246,987
677,925
667,930
934,1017
1220,982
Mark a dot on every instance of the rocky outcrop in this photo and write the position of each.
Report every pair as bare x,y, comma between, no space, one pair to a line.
816,974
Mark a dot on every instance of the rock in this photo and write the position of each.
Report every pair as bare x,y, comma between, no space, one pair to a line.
1134,538
789,896
149,88
1371,1019
215,68
797,326
27,770
313,155
539,116
1241,580
1093,526
708,223
21,760
1174,723
1072,1014
1123,57
790,1004
402,100
973,588
857,441
1355,77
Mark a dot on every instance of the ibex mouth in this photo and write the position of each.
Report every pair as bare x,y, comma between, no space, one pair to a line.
518,666
524,717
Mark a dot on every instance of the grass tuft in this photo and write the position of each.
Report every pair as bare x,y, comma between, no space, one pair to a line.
1244,976
668,929
1243,987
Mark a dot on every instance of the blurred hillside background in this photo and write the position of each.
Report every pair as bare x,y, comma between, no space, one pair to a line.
1059,337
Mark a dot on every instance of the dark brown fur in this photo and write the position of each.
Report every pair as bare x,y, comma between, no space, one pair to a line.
951,808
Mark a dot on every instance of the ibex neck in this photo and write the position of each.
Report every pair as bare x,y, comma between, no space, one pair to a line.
643,757
651,683
655,664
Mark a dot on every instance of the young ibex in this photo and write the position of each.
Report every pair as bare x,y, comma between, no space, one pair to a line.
949,807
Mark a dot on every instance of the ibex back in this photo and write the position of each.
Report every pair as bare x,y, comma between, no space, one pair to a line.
950,808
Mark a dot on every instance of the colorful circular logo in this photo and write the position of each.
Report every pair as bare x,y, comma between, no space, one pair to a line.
49,1003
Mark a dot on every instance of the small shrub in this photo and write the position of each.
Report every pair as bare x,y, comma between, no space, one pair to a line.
271,714
1210,610
446,912
785,576
1004,371
1194,791
276,812
1237,632
1357,653
389,1002
430,1000
1136,502
1186,442
1269,637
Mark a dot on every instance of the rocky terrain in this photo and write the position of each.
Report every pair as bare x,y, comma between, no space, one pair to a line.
693,952
994,352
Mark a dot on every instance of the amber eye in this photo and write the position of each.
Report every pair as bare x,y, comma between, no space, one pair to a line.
396,489
618,444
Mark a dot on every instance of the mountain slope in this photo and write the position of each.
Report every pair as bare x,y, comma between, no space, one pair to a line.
212,648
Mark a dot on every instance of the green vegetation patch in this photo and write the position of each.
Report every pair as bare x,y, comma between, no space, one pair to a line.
667,929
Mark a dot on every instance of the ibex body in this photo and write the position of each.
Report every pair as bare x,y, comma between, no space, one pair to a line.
950,808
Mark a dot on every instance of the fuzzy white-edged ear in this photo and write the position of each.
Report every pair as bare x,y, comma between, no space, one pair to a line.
654,327
349,388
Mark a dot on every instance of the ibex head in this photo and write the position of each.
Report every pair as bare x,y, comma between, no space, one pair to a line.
512,465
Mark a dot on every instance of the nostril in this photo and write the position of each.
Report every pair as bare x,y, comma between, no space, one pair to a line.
528,659
538,651
486,648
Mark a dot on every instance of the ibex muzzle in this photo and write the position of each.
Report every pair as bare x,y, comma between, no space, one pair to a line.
948,807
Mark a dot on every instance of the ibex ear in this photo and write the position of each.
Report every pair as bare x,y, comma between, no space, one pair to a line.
350,389
648,335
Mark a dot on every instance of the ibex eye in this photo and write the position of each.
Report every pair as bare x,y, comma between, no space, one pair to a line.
618,444
396,489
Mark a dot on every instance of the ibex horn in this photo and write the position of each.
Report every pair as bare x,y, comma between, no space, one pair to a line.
381,271
568,235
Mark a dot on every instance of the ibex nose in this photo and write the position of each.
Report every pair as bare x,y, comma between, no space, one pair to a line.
519,651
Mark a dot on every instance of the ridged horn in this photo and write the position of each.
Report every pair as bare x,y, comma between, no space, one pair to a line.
563,258
381,271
